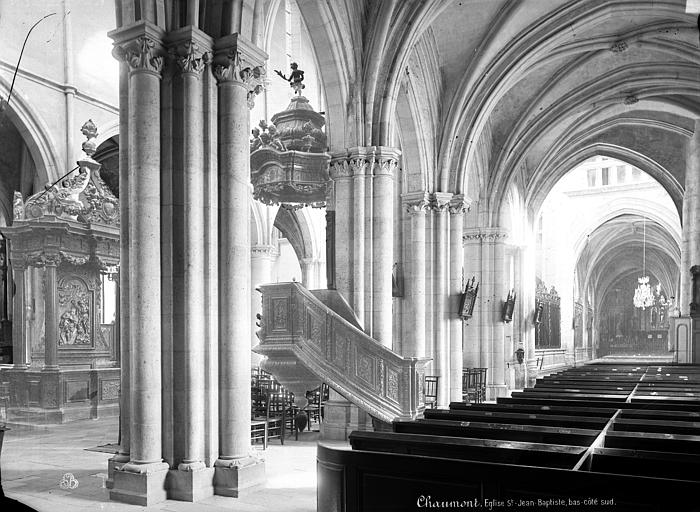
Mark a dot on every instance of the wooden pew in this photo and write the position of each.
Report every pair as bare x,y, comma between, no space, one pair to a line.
578,410
655,442
488,450
362,481
504,431
555,420
639,462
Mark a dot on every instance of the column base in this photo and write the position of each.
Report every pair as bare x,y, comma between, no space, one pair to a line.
113,465
190,483
238,477
340,417
140,484
493,391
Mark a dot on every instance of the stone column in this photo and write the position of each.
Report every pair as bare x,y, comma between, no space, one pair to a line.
526,306
261,260
385,162
122,455
414,344
237,70
359,168
341,174
20,359
690,245
50,317
499,286
142,480
458,206
441,351
191,481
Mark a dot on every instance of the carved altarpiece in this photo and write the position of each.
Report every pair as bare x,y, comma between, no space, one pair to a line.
66,237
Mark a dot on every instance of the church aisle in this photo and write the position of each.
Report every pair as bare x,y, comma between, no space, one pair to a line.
36,460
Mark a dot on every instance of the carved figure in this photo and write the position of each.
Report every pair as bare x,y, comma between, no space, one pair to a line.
295,78
18,206
256,142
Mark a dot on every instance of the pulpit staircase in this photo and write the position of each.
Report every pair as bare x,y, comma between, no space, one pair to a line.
311,337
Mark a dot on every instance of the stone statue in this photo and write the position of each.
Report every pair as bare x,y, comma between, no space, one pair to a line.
295,78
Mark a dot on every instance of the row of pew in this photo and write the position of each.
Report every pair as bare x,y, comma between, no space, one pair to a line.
626,437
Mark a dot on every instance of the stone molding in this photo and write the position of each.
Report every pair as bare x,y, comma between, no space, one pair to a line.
484,235
365,161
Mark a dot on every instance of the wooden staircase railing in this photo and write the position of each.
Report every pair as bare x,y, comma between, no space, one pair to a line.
308,341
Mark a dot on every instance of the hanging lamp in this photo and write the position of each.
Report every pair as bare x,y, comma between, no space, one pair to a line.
643,297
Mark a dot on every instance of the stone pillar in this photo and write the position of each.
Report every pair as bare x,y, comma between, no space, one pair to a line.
341,174
359,179
363,178
382,244
261,260
458,206
441,350
237,70
414,279
20,360
191,481
526,307
485,257
496,385
690,245
50,317
122,456
141,481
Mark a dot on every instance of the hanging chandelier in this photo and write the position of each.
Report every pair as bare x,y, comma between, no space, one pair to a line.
643,297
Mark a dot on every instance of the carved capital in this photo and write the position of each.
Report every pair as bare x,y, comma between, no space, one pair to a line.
142,54
340,169
415,207
189,58
440,201
459,205
365,161
232,69
488,235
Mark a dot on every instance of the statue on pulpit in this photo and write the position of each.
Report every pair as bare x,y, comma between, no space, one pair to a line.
296,77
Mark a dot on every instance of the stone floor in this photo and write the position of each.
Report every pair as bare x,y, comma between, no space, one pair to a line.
36,459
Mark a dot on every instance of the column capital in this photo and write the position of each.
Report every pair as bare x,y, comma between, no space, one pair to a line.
484,235
365,161
141,46
263,251
459,204
190,48
439,201
416,202
239,62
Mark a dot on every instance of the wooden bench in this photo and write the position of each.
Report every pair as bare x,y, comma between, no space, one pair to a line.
555,420
580,410
681,466
504,431
655,442
489,450
361,481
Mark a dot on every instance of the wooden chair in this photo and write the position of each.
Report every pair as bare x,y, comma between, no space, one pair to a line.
474,385
431,391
